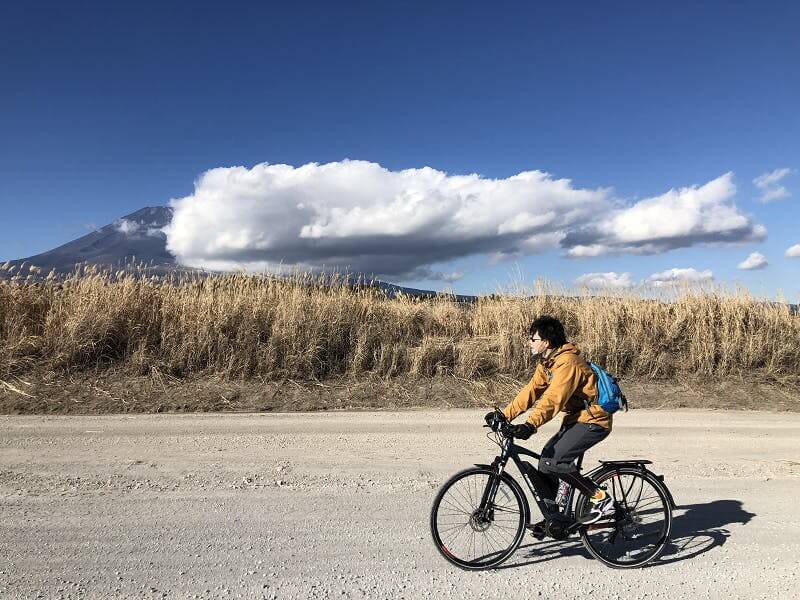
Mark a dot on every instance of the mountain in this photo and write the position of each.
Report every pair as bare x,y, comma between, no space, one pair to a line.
138,236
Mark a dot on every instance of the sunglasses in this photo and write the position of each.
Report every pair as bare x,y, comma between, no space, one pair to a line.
534,339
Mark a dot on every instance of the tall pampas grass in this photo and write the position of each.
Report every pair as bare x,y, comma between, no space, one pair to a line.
309,327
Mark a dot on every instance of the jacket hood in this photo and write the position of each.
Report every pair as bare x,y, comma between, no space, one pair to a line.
568,348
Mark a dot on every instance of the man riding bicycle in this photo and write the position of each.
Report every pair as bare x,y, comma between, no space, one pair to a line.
562,382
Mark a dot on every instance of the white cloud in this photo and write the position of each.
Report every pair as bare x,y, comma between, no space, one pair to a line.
776,193
127,227
610,280
675,276
793,251
451,277
534,244
589,250
768,184
432,275
155,231
136,229
677,219
756,260
670,277
358,216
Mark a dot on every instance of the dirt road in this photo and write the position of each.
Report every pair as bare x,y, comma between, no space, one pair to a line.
335,505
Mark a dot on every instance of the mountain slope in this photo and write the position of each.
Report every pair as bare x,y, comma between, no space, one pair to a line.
135,235
138,235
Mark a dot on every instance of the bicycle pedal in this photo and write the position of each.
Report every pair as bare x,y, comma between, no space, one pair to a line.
536,531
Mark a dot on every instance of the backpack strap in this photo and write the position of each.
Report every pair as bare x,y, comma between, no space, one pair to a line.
586,402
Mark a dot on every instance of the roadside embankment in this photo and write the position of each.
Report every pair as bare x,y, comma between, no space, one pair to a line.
108,392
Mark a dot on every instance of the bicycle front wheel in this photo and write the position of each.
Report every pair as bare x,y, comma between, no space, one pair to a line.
639,529
474,537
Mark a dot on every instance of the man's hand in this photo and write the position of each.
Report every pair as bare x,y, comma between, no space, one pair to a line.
489,417
522,432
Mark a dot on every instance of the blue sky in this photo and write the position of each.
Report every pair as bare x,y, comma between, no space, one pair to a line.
105,109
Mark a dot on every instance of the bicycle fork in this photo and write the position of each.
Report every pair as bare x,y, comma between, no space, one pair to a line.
486,507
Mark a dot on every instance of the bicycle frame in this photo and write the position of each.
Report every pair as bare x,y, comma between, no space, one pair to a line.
537,486
530,474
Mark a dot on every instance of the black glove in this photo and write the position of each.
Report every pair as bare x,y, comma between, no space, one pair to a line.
522,432
489,418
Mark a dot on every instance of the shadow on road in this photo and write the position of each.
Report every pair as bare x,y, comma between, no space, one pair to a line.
702,527
697,529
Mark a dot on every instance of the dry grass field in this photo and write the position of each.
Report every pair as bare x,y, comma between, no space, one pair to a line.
99,342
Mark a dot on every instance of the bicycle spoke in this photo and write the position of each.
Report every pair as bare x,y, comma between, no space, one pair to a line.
465,498
646,508
472,499
488,537
624,496
452,526
504,527
505,510
455,505
641,488
472,544
496,548
473,483
648,500
505,524
458,508
458,533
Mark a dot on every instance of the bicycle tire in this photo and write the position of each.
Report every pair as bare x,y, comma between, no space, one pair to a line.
631,524
466,488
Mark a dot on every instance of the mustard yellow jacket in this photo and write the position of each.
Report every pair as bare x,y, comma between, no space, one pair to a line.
562,382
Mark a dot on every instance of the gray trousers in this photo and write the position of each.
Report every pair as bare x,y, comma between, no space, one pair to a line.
561,451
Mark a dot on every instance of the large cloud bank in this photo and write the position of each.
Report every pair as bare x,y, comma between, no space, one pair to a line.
360,217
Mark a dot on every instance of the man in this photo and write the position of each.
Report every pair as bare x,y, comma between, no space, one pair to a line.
562,382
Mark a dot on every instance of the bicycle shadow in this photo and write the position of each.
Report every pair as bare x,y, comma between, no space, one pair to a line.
696,530
702,527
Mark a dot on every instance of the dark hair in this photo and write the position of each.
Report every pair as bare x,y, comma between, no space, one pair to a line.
550,329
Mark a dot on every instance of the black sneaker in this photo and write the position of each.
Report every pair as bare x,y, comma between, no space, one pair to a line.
598,509
537,530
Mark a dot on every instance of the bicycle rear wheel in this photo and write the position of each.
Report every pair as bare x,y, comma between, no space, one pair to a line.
472,538
638,531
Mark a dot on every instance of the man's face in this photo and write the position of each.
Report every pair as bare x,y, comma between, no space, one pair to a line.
536,344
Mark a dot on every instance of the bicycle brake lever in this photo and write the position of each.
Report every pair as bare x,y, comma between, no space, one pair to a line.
505,429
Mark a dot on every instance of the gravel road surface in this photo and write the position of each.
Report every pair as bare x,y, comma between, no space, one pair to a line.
336,505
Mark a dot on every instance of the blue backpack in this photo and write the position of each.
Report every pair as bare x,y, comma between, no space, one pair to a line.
609,397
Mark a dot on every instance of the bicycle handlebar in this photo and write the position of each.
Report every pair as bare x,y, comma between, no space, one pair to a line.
500,424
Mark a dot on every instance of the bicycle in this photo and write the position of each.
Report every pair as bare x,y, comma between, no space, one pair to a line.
480,515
